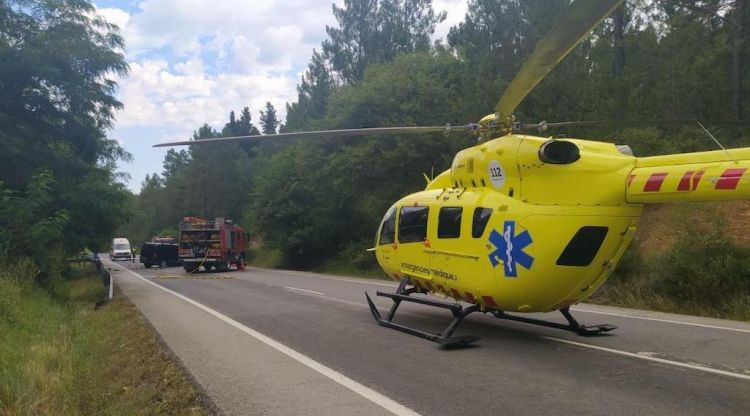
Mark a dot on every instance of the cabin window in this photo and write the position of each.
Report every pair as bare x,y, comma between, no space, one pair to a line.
388,228
412,224
583,247
449,222
479,223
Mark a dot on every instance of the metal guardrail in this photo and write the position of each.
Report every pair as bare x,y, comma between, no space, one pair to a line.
105,276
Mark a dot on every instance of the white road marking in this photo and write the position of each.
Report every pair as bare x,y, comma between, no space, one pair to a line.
366,392
304,290
648,357
662,320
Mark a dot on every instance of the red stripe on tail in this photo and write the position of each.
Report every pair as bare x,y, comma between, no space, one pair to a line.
697,179
730,179
653,184
685,181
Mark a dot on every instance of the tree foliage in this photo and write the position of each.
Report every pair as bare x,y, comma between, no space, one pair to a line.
56,103
372,31
268,120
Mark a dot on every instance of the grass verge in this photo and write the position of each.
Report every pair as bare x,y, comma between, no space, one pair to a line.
60,356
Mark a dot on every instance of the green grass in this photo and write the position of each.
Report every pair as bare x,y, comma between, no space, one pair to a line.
59,356
265,257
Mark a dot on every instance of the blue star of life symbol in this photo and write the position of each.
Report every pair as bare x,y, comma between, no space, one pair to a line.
509,249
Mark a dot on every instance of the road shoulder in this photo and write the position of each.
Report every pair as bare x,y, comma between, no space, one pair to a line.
241,374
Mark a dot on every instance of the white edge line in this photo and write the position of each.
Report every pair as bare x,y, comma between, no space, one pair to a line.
654,359
662,320
364,391
304,290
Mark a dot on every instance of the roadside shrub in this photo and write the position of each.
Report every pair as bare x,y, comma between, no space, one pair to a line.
703,267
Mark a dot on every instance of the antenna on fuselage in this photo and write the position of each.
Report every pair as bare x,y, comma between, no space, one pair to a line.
717,142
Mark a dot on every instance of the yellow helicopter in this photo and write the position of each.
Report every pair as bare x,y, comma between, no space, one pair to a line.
521,223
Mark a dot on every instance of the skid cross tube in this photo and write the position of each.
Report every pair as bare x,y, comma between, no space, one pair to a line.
572,324
404,294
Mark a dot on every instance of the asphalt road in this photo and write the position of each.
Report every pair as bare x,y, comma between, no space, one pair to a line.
653,364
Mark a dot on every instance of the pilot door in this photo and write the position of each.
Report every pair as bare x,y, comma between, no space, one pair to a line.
411,234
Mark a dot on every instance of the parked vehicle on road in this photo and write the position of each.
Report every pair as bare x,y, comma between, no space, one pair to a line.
214,244
120,249
159,254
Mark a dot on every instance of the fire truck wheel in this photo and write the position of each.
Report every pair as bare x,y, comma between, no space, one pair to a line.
226,266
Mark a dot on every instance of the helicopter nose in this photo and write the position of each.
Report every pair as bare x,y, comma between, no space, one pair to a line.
559,152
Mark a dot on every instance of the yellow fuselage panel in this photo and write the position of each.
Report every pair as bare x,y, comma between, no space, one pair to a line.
475,269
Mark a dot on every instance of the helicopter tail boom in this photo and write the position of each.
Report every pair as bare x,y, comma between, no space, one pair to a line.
702,176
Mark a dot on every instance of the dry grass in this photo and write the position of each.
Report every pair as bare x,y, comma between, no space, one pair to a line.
60,356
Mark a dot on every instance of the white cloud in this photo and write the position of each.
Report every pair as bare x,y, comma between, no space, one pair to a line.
455,9
184,96
192,61
115,16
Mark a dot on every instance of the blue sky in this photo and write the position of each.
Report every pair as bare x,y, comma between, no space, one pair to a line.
193,61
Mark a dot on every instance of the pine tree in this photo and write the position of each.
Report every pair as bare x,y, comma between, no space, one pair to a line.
268,120
372,31
313,93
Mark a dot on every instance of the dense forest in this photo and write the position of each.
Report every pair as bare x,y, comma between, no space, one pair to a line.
649,69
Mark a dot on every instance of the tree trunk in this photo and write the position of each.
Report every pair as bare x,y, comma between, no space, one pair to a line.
737,58
619,63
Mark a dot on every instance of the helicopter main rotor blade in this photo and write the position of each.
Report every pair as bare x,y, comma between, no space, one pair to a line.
577,21
324,133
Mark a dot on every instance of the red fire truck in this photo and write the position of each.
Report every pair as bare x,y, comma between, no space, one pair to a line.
213,244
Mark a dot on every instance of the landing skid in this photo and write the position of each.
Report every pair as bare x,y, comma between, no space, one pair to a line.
573,325
459,313
443,338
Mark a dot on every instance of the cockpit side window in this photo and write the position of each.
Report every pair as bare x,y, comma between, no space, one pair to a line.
449,222
388,227
479,223
412,224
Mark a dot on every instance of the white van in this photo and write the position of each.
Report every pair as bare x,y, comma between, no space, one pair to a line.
120,249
